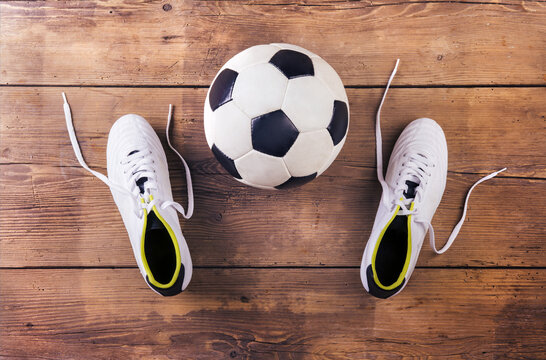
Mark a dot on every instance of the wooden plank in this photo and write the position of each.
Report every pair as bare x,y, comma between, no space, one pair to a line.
186,42
57,206
486,128
272,314
63,216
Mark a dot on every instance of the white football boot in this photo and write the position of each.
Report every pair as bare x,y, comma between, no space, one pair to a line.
412,191
138,177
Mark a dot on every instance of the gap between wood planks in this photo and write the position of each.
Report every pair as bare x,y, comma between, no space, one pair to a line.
274,267
103,169
379,86
372,5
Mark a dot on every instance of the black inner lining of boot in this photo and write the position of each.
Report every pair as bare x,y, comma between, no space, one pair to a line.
140,183
392,251
159,250
412,186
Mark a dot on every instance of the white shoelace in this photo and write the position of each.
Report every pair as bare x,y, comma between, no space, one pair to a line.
138,165
420,173
415,169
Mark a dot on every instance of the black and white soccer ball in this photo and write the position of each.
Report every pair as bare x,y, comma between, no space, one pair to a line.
276,116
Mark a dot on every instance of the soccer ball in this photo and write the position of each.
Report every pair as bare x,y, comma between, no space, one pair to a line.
276,116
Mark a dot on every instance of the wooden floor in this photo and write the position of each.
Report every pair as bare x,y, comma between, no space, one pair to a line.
276,273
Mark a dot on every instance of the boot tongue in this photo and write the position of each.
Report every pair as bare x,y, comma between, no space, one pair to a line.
140,182
412,185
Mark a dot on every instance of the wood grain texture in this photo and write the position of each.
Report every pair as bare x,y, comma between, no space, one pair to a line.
486,128
272,314
133,42
62,216
276,273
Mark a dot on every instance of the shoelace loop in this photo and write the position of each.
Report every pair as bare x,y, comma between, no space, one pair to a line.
139,165
136,164
404,206
415,168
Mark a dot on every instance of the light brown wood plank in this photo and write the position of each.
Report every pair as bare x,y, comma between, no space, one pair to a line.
272,314
486,128
62,216
132,42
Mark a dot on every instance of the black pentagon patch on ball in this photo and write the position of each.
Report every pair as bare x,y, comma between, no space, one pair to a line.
339,123
221,89
296,181
273,133
293,63
226,162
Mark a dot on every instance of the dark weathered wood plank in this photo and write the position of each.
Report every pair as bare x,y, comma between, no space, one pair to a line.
272,314
62,216
486,128
186,42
